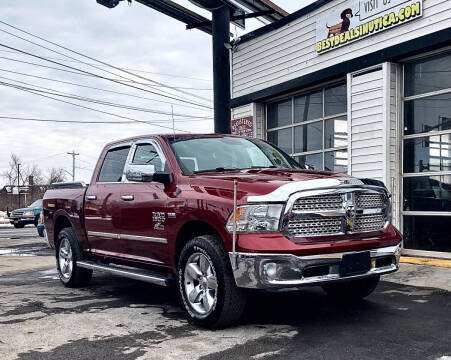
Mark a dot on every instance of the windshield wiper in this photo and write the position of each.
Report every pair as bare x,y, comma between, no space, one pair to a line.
263,167
218,169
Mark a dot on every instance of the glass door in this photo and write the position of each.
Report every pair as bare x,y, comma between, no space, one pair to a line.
426,206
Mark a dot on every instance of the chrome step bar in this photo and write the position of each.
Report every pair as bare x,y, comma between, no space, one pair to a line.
136,274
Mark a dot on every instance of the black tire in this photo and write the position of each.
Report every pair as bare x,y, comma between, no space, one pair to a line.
352,290
230,300
19,226
78,276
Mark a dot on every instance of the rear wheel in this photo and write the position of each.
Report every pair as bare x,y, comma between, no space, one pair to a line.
352,290
67,254
206,284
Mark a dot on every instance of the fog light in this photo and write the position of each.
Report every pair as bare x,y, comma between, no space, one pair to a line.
271,270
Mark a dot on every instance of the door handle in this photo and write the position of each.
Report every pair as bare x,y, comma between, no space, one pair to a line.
127,197
91,197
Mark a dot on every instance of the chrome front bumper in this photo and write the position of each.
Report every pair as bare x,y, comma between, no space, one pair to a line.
264,271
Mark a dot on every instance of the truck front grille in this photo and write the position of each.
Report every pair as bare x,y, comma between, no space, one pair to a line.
369,201
315,226
354,211
322,202
369,222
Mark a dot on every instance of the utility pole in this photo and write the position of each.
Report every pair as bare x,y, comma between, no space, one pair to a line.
73,154
18,182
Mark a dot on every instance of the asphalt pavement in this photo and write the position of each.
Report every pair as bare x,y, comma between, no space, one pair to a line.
116,318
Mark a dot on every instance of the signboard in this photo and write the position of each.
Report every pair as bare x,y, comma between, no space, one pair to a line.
243,126
363,18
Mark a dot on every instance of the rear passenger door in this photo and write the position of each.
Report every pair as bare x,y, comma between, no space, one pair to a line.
103,217
144,215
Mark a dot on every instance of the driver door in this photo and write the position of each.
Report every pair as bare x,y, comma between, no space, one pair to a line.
143,229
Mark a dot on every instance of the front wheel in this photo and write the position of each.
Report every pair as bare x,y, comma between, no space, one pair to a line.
206,284
67,254
353,289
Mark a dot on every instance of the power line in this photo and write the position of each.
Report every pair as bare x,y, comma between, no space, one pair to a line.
96,110
88,57
99,89
88,121
83,74
137,70
105,78
96,101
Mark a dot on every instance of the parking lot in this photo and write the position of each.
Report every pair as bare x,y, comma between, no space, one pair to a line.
408,317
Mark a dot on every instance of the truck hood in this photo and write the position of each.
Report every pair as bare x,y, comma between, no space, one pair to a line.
268,184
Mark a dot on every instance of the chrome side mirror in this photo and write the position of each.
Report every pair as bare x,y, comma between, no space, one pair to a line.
140,173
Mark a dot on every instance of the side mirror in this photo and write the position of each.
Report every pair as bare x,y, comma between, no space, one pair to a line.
140,173
147,173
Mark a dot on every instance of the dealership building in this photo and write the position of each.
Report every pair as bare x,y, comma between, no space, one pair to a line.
364,88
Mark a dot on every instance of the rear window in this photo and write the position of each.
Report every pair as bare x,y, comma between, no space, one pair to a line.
113,165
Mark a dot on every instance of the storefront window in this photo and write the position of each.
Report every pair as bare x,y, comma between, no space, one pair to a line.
427,154
315,132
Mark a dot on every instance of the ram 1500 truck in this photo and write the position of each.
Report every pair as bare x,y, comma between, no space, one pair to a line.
216,215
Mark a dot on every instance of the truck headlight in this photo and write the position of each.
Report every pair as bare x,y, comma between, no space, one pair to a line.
29,213
256,218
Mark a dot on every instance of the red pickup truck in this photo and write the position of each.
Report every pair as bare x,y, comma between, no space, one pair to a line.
216,215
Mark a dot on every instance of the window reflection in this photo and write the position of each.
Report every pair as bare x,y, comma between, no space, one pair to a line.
308,107
279,114
308,137
311,161
429,153
336,161
335,133
427,193
281,138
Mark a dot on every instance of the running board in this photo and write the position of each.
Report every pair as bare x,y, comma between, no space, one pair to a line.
136,274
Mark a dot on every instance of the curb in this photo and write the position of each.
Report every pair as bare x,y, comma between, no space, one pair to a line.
425,261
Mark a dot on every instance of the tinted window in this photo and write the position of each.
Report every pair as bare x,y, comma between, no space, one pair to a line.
147,154
279,114
427,114
335,133
308,107
308,137
113,165
426,75
335,100
427,193
429,153
312,161
281,138
427,233
336,161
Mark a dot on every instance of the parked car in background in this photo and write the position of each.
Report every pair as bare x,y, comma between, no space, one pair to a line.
29,215
41,229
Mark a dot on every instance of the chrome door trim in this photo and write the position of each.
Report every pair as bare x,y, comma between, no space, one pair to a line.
103,235
144,238
128,237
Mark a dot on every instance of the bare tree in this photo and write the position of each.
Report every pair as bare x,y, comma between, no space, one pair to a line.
55,175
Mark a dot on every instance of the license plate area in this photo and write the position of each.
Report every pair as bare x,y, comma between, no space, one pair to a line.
355,264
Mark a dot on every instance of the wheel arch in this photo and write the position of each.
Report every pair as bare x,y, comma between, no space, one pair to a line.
190,230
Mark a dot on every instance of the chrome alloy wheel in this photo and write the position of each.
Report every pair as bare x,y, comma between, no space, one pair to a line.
65,259
201,286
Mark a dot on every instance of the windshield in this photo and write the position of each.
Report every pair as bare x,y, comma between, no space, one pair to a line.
36,204
228,153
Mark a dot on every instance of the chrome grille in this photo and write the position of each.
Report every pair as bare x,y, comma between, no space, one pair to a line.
337,213
315,226
369,222
370,201
17,213
323,202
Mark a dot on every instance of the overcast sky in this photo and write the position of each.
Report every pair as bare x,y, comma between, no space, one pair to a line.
133,37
